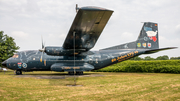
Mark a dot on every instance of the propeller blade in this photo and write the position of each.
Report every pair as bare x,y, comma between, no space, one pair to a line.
42,42
41,58
42,50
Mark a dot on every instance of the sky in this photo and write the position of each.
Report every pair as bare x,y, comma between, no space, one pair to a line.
27,20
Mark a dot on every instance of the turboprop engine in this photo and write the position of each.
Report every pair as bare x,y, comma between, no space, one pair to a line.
59,51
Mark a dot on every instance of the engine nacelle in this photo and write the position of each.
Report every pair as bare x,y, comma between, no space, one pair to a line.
57,51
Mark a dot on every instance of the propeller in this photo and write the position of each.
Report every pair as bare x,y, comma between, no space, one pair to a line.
43,49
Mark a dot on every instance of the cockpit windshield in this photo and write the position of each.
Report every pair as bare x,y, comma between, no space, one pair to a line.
15,56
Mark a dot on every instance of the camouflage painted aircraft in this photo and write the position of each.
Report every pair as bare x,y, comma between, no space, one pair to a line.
75,56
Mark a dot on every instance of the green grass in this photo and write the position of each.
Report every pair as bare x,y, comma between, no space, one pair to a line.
107,86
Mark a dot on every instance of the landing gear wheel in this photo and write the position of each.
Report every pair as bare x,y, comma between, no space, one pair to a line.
79,73
18,72
71,73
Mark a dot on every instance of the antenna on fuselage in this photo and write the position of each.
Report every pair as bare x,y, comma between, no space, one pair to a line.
77,8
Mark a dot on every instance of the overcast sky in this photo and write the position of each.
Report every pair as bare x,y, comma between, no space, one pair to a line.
27,20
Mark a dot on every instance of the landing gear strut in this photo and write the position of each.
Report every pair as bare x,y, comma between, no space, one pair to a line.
18,72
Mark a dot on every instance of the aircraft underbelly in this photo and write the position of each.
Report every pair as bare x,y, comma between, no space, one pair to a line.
71,67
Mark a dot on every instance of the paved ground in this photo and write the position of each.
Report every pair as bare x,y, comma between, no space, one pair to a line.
56,76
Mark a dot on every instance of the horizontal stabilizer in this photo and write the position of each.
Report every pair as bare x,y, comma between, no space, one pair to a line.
157,50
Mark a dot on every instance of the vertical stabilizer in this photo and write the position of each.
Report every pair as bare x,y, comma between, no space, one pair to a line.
148,37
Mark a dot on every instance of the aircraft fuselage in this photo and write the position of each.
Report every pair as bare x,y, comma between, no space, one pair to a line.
31,60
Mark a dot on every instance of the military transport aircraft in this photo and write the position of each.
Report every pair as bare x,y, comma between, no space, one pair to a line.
75,56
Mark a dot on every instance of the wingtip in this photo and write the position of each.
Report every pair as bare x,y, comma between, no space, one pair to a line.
95,8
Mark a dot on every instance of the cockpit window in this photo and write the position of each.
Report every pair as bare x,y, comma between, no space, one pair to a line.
15,56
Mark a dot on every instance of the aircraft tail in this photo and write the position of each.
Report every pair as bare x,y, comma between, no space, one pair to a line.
147,39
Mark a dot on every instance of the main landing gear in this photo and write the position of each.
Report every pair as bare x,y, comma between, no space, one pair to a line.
18,72
77,73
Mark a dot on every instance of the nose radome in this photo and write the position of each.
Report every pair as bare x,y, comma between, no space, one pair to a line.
4,63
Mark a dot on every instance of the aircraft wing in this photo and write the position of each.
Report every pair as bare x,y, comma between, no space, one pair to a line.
86,28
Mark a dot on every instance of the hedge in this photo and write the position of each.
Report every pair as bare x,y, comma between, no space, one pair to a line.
154,66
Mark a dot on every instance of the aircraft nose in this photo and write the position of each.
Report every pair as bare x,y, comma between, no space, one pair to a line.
4,63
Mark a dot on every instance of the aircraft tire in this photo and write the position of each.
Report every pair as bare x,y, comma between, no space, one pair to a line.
18,72
79,73
70,73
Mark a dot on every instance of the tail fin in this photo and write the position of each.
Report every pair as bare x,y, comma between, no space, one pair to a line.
148,37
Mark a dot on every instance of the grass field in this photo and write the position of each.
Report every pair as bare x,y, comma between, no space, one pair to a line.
96,86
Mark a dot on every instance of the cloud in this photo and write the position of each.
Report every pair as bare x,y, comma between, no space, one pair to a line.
19,35
178,28
21,39
62,36
127,35
165,42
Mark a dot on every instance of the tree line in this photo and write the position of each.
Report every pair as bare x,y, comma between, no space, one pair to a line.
164,57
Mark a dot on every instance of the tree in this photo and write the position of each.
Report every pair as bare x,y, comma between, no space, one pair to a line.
148,58
7,47
175,58
164,57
